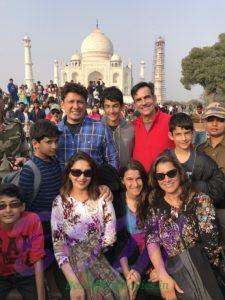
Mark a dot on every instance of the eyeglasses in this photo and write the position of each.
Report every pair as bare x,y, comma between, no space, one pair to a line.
11,205
170,174
78,173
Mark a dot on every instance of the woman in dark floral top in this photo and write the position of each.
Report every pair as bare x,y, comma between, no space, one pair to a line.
182,224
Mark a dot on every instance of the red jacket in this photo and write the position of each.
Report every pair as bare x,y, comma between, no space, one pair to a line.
149,144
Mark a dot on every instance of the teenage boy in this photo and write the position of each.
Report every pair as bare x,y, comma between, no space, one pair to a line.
122,131
21,247
200,168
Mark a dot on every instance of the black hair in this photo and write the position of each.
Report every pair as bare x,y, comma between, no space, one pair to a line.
142,204
67,185
181,120
10,190
43,128
199,105
156,192
113,94
130,110
71,87
11,105
142,84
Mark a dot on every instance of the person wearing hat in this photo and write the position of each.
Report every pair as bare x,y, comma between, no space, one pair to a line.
37,113
56,114
215,145
215,125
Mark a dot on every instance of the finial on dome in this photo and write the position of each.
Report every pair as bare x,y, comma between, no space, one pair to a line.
97,24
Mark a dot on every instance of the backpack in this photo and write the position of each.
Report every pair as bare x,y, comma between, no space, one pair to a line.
14,178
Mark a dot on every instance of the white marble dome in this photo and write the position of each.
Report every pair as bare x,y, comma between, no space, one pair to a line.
75,56
97,45
116,57
26,38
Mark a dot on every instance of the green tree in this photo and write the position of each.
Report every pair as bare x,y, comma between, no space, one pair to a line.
206,67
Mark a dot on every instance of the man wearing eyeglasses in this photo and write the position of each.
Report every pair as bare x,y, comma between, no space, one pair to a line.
80,133
151,128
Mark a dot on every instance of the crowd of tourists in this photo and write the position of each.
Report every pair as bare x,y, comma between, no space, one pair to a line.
113,201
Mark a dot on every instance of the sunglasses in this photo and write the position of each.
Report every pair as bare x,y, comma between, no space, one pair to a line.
170,174
11,205
78,173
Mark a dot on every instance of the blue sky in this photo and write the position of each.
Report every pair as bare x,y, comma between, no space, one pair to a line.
57,29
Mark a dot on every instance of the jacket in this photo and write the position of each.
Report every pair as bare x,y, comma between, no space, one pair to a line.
209,179
20,115
40,115
123,137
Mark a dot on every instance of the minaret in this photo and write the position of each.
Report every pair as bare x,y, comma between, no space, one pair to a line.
29,81
56,72
159,70
142,71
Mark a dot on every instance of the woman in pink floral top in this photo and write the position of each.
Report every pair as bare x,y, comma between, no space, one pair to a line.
83,224
182,224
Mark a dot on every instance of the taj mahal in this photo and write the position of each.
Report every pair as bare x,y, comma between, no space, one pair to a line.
97,60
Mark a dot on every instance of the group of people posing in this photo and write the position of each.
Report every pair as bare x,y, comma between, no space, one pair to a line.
116,210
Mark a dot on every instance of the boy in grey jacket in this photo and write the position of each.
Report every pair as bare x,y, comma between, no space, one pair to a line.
122,131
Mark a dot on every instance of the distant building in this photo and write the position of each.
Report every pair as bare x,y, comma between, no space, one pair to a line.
159,70
97,61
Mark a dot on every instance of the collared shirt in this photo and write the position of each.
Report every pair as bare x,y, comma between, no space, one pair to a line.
217,153
149,144
92,137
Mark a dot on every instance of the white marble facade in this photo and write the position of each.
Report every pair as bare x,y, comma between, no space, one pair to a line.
97,60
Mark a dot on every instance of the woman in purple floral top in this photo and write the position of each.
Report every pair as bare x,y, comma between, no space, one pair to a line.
83,224
182,225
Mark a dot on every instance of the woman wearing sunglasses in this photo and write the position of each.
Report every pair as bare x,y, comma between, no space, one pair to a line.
83,224
130,253
182,223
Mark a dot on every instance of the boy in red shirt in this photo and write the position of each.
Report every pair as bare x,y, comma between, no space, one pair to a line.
21,247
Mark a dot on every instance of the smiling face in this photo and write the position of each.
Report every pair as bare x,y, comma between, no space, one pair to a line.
12,211
182,137
80,182
168,185
145,102
75,107
112,111
133,183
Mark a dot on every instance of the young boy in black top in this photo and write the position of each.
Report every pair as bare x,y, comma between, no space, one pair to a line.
200,168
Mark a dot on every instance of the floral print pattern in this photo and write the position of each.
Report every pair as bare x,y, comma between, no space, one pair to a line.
176,229
74,222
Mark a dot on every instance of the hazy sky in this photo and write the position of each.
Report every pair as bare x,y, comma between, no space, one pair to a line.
57,29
